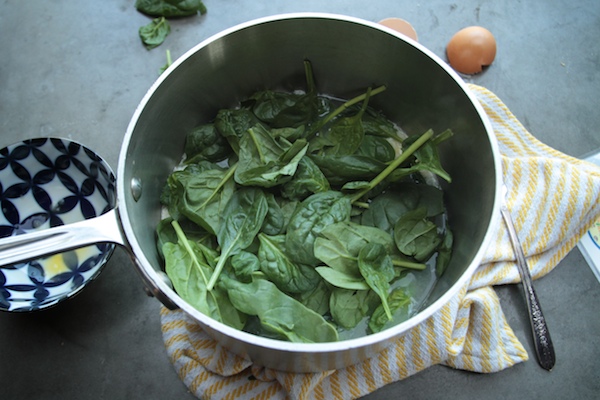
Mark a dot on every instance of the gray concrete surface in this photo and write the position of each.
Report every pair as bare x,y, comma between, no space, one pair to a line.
77,69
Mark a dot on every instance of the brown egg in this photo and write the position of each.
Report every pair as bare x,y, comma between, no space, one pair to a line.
470,49
400,25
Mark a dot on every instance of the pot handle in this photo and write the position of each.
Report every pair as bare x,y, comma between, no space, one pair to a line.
105,228
28,246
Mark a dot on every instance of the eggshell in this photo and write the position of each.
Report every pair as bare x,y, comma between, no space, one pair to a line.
470,49
400,25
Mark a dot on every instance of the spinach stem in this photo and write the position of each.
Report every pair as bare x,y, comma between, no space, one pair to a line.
186,245
319,124
220,264
361,204
395,164
352,102
409,265
261,156
226,178
310,79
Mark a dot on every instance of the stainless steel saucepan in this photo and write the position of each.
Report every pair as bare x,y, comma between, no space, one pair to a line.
347,55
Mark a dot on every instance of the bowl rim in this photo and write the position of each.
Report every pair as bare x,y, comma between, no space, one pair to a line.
105,255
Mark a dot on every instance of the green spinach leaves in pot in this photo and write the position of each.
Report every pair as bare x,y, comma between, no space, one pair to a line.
302,218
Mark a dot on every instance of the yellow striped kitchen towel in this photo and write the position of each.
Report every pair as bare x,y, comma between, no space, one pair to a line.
553,198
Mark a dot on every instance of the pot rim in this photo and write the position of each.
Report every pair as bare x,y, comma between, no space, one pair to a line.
161,288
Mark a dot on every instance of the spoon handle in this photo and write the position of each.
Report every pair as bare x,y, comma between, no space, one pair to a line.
541,336
21,248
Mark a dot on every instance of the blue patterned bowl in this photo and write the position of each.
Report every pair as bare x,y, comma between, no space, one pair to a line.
46,183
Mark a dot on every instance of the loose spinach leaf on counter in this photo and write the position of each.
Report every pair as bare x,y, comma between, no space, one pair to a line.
170,8
155,33
168,63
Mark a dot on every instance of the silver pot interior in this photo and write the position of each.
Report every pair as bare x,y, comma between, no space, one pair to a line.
347,56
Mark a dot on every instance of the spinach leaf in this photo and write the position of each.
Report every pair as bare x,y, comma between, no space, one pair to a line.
289,134
244,265
377,124
339,245
155,33
187,269
349,307
312,215
263,162
342,169
282,109
278,312
283,272
187,275
342,279
307,180
404,156
242,219
317,299
427,156
322,122
444,253
346,133
200,192
288,110
206,143
376,267
385,209
165,233
399,304
275,220
170,8
377,148
232,124
415,235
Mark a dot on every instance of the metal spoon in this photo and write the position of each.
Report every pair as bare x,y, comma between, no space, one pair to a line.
541,336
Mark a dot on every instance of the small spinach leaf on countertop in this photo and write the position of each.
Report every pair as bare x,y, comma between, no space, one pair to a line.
155,33
170,8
